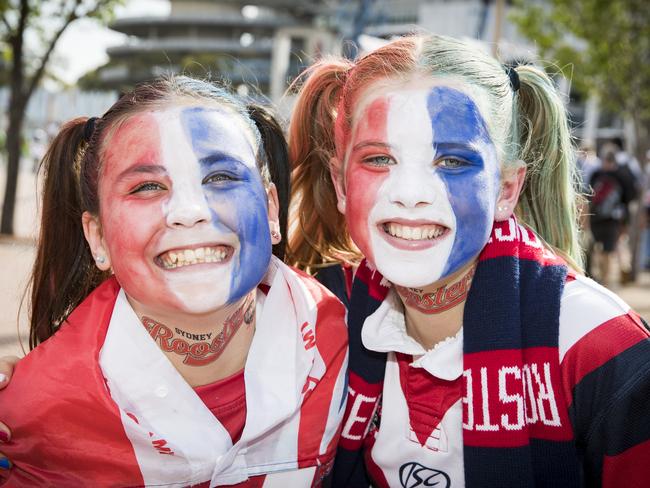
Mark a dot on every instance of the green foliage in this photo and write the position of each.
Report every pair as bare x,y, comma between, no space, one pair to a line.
607,42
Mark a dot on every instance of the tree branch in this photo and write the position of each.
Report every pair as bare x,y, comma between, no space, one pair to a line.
10,29
38,74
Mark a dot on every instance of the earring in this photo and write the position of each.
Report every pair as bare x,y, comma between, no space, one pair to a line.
275,234
100,259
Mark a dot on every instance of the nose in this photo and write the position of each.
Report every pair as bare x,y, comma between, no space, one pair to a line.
187,207
413,189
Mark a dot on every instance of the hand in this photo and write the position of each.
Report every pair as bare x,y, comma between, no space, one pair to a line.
7,365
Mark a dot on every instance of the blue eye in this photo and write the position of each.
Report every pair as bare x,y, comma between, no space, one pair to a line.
148,186
451,163
382,160
219,177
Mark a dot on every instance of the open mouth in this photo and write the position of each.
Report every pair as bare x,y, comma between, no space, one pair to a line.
178,258
414,232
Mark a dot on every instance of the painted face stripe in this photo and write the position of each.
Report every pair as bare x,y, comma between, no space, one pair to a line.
243,201
362,195
456,118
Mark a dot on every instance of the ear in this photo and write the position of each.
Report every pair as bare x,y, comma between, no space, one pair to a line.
511,185
95,239
274,213
336,173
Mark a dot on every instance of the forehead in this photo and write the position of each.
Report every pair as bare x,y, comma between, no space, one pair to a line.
206,129
456,110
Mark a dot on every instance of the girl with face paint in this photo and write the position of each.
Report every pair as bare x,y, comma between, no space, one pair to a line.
184,353
479,353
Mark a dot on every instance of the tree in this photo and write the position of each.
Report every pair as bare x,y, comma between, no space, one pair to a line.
45,22
607,42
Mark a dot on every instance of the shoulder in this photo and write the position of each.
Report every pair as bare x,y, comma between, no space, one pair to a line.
603,344
592,316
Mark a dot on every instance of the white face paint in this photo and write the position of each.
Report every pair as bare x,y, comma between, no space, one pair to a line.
421,182
412,200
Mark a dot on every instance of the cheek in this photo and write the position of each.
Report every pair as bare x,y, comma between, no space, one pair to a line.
472,199
243,211
362,194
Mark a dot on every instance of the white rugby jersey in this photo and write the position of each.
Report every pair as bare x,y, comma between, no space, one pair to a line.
417,436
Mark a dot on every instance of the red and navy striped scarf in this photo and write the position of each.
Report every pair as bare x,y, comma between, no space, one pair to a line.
511,327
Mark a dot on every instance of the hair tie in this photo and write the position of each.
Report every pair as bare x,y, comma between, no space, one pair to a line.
514,78
89,128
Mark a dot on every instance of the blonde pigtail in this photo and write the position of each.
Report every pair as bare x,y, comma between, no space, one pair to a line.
549,199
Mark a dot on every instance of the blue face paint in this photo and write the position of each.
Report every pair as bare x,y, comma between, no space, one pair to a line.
233,189
459,132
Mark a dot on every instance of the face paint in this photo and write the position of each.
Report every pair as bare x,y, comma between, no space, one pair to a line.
421,183
183,209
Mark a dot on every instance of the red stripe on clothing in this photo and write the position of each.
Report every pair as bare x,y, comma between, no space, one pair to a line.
428,398
598,346
372,279
629,468
252,482
513,395
331,343
502,237
359,410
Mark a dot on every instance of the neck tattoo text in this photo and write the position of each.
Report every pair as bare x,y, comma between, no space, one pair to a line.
439,300
201,353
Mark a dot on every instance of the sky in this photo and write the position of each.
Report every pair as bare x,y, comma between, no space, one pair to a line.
82,46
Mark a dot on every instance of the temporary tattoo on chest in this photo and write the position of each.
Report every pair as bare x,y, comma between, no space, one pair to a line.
439,300
202,352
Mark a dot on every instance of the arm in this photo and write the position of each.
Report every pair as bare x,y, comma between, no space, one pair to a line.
607,378
7,365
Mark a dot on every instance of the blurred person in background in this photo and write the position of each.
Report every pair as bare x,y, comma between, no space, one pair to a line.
608,210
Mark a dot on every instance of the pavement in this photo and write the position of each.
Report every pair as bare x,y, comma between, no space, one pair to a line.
17,256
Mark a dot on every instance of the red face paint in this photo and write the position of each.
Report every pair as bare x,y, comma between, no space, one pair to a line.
362,180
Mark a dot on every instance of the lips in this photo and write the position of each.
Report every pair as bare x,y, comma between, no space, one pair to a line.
182,257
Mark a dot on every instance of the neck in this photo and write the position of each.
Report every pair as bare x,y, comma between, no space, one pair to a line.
205,349
435,312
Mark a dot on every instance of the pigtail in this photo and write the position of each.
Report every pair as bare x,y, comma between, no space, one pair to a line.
549,199
276,154
64,272
319,233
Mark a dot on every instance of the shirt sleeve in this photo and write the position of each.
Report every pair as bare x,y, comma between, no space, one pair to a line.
605,351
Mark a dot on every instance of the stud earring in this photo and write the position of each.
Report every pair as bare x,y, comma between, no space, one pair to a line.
275,234
100,259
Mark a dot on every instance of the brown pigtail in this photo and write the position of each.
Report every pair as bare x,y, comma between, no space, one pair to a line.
277,159
319,233
64,271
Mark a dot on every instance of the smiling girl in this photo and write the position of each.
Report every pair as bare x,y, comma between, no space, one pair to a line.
184,353
479,354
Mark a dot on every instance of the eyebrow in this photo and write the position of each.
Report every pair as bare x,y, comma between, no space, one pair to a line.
154,169
219,157
363,144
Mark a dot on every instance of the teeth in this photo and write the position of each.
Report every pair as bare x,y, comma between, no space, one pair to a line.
414,233
186,257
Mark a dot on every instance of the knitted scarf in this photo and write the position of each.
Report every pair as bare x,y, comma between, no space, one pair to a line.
516,427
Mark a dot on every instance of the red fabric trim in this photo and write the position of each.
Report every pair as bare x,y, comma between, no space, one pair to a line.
428,398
